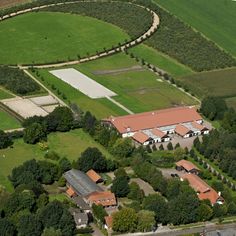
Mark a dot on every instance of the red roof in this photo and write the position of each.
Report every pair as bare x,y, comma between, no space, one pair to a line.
154,119
94,176
187,165
70,191
182,130
140,137
198,126
158,133
105,199
108,221
201,187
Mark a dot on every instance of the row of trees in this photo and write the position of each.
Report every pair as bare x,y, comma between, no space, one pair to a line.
17,81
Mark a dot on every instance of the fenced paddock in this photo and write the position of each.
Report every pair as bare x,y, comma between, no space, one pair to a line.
83,83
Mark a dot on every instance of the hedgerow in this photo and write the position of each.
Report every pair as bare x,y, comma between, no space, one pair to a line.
16,81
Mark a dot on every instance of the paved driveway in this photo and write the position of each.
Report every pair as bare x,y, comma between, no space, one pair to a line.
146,187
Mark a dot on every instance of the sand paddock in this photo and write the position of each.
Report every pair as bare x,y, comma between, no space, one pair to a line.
83,83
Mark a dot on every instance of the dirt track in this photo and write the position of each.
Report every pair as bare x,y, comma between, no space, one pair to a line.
10,3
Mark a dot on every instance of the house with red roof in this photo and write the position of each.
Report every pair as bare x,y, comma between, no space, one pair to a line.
187,166
203,190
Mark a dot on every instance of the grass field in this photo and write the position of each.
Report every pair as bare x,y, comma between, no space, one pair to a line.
137,90
216,83
7,121
160,60
49,37
214,18
68,145
4,94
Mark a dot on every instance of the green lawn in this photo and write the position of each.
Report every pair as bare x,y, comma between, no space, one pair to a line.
7,121
137,90
4,94
161,60
216,83
214,18
68,145
50,37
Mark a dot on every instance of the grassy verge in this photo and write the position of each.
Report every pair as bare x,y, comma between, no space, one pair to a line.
7,121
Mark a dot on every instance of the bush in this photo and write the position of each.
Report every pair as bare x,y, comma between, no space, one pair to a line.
52,155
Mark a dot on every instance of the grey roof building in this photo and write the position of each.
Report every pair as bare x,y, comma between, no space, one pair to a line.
81,183
82,204
80,218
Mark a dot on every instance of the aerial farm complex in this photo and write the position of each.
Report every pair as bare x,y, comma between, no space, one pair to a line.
117,117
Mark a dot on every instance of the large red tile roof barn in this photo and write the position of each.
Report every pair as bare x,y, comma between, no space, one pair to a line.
154,119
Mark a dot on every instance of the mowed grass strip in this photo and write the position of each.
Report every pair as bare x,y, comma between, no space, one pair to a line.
7,121
215,19
4,94
216,83
69,145
137,90
160,60
44,37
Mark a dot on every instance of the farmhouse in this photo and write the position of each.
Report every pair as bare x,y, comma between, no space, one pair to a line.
187,166
80,218
80,184
153,127
204,191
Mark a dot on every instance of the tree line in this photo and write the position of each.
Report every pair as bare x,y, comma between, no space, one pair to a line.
16,81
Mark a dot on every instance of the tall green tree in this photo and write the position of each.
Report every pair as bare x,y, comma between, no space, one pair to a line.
146,220
120,186
92,158
123,147
7,228
125,220
34,133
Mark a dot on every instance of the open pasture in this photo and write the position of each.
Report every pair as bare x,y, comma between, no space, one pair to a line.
7,121
214,18
51,37
160,60
62,143
4,94
139,90
216,83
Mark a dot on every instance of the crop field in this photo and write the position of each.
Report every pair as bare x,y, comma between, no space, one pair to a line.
215,19
216,83
50,37
10,3
62,143
7,121
160,60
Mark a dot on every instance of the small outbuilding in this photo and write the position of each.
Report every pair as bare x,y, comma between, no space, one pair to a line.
187,166
94,176
80,218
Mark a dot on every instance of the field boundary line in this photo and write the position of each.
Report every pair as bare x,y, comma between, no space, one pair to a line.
43,86
120,105
134,42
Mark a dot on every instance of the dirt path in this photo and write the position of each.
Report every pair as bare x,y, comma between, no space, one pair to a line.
118,71
119,105
140,39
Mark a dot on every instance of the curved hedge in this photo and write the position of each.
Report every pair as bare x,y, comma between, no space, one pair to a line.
133,19
173,37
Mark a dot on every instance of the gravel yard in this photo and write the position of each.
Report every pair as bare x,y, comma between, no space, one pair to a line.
83,83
